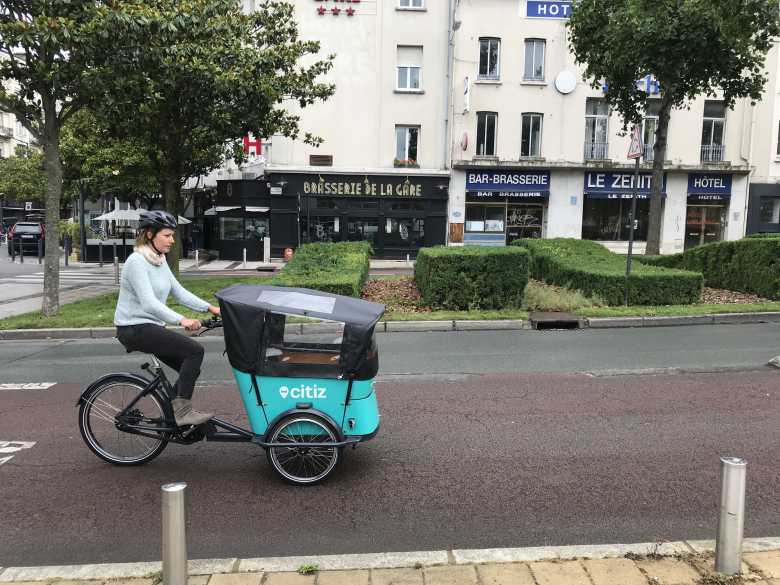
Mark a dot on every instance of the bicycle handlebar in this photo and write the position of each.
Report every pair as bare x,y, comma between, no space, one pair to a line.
213,323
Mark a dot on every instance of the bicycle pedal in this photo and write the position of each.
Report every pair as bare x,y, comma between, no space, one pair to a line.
189,431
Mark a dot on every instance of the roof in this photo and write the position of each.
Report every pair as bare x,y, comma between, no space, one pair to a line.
304,302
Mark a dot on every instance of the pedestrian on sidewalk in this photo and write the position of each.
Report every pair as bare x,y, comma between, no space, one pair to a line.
141,312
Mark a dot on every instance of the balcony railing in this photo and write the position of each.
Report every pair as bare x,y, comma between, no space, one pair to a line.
712,152
596,150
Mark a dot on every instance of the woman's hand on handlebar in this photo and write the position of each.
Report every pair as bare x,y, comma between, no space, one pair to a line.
190,324
214,310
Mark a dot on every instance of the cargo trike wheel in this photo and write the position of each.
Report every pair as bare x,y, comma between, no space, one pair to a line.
300,463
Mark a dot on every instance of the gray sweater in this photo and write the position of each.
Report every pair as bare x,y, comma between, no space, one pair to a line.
143,291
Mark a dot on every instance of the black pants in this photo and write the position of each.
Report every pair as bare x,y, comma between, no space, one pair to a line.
183,354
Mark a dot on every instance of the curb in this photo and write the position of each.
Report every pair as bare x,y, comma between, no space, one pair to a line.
348,562
432,326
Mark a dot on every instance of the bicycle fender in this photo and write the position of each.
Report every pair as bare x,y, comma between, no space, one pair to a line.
99,381
336,427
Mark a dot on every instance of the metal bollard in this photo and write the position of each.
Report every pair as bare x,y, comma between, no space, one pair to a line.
100,253
40,251
13,250
728,546
21,252
115,255
244,257
197,264
65,250
174,534
116,271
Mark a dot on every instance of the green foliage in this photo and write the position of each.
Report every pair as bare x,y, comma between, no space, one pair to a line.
750,265
591,268
621,41
762,236
22,176
307,569
339,268
471,277
545,297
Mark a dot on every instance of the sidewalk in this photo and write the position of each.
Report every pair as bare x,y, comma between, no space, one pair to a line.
671,563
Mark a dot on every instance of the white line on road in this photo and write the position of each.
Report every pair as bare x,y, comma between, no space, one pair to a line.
30,386
7,447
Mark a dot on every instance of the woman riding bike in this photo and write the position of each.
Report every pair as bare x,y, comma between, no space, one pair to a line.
141,312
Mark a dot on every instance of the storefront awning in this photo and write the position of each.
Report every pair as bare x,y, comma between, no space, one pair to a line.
219,209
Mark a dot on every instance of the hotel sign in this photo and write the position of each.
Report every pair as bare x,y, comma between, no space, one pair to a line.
548,8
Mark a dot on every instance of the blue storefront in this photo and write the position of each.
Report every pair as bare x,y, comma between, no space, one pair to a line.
504,205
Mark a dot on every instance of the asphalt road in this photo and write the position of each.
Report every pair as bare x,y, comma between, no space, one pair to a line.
504,456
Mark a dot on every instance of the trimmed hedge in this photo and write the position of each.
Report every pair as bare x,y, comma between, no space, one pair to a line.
762,236
471,277
340,268
589,267
751,265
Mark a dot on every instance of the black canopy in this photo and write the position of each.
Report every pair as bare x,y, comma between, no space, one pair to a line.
250,315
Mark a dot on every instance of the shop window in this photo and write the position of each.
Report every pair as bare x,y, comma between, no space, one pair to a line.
524,221
409,68
231,228
534,60
596,129
256,228
406,231
485,218
322,203
531,136
365,229
769,210
360,204
608,219
320,229
489,57
713,131
407,206
486,133
406,142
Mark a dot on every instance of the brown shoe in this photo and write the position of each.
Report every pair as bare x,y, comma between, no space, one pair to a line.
185,415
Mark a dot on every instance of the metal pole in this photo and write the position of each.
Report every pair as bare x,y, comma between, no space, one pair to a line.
728,546
21,251
40,250
174,534
65,246
100,253
244,257
116,270
13,249
632,218
82,227
196,260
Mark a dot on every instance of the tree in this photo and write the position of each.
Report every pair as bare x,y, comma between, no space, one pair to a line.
22,176
195,76
44,49
692,47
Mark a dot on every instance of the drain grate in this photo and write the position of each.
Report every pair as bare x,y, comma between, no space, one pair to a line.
555,320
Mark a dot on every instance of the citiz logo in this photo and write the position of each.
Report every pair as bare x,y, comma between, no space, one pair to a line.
303,392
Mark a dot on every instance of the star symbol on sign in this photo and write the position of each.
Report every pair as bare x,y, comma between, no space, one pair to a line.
350,11
321,10
335,10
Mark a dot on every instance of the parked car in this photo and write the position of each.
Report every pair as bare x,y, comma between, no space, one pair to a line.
28,233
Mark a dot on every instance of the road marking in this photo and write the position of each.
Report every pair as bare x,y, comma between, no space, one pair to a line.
7,447
29,386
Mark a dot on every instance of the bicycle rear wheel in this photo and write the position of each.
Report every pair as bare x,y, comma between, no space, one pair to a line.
100,426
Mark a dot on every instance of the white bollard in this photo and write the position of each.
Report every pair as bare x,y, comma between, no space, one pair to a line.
196,260
174,534
244,257
116,270
731,523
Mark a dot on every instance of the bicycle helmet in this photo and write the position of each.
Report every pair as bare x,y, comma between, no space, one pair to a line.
157,220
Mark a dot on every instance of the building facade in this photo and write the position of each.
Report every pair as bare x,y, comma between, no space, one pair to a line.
536,151
477,109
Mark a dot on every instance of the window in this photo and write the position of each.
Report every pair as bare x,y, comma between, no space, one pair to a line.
650,127
607,220
402,232
769,210
596,129
486,133
485,218
406,142
531,136
411,4
363,229
534,60
231,228
409,77
319,229
489,56
712,131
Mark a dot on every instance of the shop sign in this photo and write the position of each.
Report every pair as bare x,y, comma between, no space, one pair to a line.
548,8
368,187
619,185
508,195
508,181
709,187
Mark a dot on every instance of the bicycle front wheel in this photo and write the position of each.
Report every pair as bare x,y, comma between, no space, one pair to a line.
100,425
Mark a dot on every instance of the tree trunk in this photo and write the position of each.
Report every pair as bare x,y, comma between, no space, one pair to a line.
171,189
53,166
655,221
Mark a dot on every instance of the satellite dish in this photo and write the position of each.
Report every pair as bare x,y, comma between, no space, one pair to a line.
566,82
